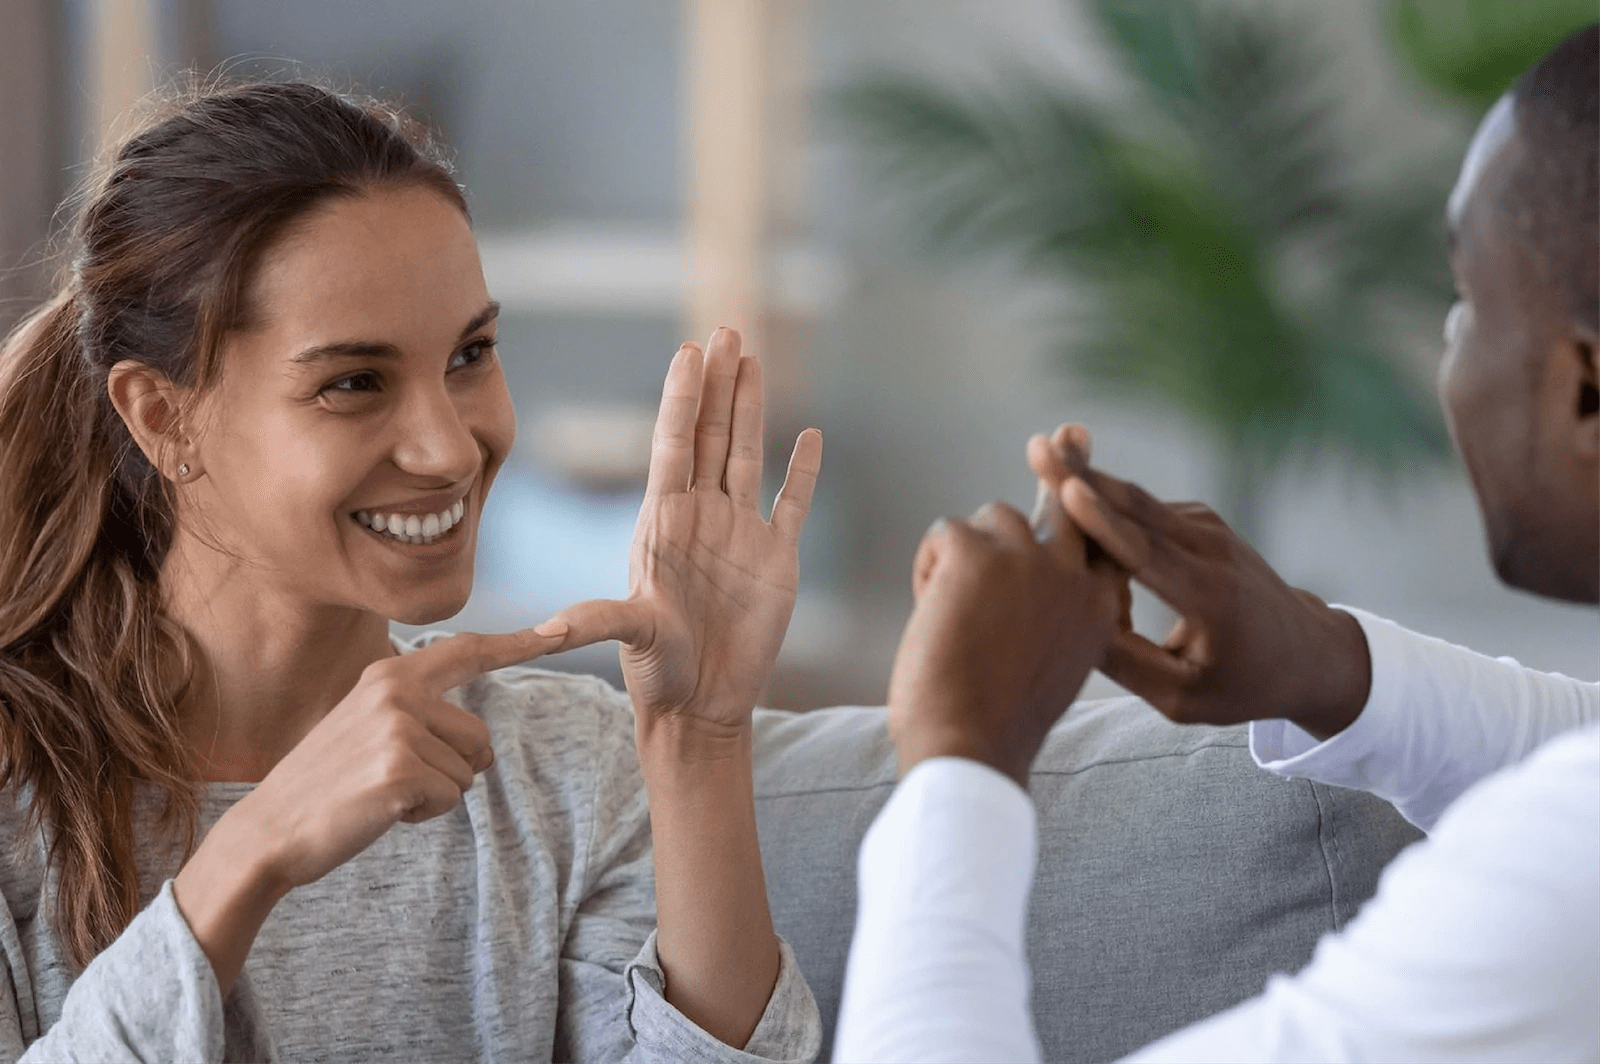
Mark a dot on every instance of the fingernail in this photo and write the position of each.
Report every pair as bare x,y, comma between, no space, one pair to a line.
552,628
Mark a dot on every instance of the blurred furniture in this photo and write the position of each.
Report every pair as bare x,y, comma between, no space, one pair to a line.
1174,875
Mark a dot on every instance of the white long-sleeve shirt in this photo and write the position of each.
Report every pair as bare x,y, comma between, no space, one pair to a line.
1482,943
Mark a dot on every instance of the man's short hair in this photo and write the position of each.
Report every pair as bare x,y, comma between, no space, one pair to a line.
1555,194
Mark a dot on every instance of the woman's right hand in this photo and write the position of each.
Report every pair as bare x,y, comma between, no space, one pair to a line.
392,750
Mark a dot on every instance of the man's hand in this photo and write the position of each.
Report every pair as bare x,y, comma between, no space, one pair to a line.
1008,622
1247,646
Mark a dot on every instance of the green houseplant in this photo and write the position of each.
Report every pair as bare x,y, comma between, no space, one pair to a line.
1234,268
1473,50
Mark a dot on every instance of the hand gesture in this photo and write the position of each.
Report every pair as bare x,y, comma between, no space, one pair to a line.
1009,620
1247,646
712,582
392,750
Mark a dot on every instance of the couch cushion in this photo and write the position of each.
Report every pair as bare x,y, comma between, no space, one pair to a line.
1174,876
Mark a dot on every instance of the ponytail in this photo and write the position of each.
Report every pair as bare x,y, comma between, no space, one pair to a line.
89,670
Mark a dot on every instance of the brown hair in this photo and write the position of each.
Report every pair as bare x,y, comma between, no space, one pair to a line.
159,259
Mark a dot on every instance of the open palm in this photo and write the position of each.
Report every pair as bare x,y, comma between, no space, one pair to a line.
712,582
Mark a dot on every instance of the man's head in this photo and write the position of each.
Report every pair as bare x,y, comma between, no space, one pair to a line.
1518,379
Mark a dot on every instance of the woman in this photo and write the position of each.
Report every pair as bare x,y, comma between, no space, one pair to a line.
259,422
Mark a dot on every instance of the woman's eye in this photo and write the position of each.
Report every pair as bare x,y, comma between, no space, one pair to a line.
353,384
472,353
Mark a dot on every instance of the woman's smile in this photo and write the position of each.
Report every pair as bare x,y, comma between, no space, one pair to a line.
412,528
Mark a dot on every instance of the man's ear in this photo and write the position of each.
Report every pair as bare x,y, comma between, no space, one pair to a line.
1587,394
152,408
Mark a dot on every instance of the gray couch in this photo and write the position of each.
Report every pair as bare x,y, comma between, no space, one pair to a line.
1174,876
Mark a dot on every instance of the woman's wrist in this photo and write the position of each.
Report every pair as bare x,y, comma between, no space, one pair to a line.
690,738
714,936
225,892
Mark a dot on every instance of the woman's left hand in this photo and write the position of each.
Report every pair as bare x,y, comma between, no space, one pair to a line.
712,582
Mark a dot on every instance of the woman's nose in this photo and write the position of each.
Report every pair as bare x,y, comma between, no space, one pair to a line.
435,440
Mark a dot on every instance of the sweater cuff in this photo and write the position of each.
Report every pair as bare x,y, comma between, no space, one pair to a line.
150,995
790,1029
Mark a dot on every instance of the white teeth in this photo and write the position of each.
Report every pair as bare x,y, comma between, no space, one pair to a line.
413,528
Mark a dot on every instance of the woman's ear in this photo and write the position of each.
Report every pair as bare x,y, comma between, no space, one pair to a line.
152,408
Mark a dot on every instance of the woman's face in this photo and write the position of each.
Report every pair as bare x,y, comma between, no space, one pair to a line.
361,413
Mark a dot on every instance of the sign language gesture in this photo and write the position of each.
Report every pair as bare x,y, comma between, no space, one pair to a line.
1010,617
1247,646
392,750
713,582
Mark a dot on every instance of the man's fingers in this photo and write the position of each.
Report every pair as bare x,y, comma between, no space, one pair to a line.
1158,519
799,485
743,477
1003,522
714,427
1075,445
1168,568
1047,460
1146,669
452,662
1126,541
1051,525
598,620
927,556
672,445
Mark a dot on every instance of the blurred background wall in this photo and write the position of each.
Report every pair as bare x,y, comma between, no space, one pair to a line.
640,170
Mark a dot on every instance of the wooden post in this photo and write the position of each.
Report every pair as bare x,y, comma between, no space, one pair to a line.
727,162
748,85
122,47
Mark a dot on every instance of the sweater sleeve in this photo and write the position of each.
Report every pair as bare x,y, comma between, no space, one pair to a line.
1438,719
609,970
150,995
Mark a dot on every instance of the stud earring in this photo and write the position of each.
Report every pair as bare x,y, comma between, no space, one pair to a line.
183,470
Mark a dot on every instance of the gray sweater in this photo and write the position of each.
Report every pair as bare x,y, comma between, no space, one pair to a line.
518,927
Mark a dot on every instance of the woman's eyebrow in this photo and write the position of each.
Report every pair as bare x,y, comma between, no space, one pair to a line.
380,349
485,316
345,349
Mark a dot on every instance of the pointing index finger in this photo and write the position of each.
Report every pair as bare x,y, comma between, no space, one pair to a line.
454,661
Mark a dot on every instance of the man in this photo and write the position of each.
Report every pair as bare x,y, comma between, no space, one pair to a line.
1484,941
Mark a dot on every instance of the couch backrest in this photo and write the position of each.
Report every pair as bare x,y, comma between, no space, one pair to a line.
1174,876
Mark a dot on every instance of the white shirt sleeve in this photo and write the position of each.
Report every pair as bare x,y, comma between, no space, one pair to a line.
1483,943
938,970
1438,719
